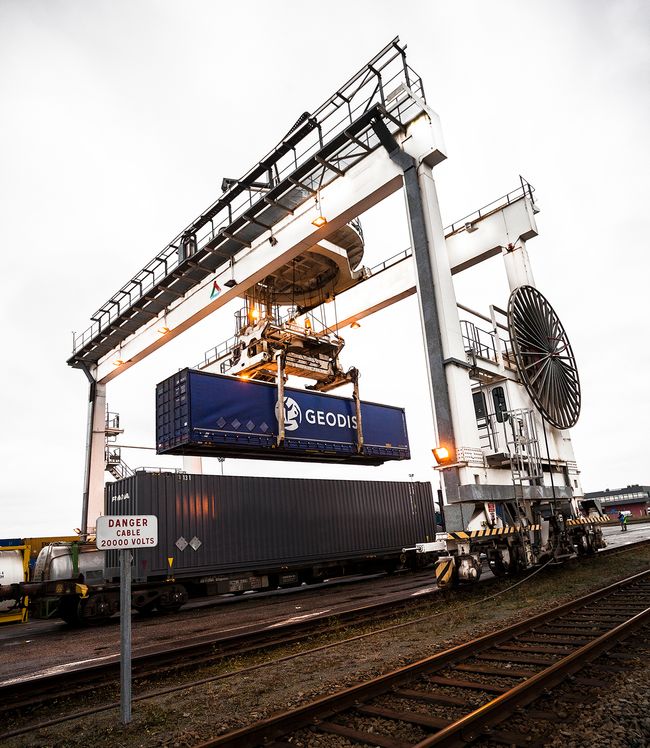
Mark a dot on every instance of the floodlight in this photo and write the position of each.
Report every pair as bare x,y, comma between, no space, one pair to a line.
442,455
320,219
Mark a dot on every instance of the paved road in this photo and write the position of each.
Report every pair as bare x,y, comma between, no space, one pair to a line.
615,537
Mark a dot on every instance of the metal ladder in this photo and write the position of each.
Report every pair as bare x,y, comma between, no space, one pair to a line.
114,464
523,446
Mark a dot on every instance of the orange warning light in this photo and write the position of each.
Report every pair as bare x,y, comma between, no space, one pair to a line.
442,455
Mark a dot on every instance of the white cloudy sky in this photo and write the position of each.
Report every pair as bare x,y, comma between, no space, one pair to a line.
118,120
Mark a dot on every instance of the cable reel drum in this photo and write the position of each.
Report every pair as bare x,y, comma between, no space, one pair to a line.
544,357
548,371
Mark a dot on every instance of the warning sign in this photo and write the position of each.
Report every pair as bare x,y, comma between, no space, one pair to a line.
127,531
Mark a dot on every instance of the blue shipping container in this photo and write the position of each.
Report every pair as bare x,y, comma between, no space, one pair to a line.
209,414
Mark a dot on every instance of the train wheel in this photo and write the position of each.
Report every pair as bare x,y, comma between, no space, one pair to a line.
172,599
98,608
76,611
506,562
497,567
585,545
146,610
145,602
169,608
499,561
70,610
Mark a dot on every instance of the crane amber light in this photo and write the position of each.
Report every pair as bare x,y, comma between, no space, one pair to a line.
319,221
442,455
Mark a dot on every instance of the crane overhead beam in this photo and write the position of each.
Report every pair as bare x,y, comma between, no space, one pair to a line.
367,182
503,222
316,152
362,188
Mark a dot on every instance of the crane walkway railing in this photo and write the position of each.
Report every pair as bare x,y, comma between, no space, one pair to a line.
318,149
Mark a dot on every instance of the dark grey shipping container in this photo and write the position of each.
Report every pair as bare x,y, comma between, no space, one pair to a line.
213,524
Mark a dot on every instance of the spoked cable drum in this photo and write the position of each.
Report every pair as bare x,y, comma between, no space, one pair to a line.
544,357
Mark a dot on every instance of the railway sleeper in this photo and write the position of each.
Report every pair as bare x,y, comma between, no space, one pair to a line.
441,680
432,697
414,718
505,672
522,659
361,736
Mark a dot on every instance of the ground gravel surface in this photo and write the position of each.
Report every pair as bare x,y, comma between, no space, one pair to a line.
233,699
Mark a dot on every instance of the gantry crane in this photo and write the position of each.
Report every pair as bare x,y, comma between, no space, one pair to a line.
503,381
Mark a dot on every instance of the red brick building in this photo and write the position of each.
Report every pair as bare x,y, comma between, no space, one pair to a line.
634,499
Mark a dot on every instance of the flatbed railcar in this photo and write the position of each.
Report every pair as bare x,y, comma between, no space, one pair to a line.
225,534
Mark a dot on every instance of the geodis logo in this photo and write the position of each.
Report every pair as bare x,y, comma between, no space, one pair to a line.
293,417
292,414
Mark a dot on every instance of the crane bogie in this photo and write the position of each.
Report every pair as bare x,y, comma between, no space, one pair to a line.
508,549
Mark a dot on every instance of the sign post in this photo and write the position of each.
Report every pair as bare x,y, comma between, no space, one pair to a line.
124,532
125,636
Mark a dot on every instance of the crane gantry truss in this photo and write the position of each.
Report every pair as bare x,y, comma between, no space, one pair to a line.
372,137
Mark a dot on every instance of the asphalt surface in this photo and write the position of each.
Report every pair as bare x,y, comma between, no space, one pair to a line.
615,537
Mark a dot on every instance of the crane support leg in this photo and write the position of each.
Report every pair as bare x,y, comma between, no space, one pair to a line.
447,366
93,494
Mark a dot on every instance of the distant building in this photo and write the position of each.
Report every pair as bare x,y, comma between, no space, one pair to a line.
635,499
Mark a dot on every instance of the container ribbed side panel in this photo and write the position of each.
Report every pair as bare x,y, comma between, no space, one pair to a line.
198,413
265,524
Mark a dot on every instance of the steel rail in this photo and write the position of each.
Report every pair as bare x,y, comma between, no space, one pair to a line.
30,692
473,725
325,707
199,650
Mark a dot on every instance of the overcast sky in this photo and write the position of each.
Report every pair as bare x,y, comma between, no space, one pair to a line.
118,120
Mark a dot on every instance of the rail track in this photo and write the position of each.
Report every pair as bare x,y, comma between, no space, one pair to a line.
419,705
188,654
33,692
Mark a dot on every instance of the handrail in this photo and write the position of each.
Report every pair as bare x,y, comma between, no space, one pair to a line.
524,190
367,88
